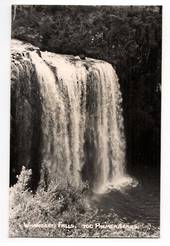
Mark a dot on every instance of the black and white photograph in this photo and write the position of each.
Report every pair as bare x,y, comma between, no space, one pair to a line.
85,121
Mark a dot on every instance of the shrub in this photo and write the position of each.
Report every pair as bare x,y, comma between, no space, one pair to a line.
58,204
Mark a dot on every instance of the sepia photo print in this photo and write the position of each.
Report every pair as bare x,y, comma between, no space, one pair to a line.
85,121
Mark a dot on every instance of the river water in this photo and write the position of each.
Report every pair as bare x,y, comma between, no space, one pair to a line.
140,203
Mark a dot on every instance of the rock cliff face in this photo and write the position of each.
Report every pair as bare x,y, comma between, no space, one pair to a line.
66,119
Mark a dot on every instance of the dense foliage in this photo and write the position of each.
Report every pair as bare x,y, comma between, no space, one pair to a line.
64,211
127,37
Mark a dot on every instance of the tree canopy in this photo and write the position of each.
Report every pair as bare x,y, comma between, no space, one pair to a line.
129,37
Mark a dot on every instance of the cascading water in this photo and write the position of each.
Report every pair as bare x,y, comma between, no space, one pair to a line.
74,107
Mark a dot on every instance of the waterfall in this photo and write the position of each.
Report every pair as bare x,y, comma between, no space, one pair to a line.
74,107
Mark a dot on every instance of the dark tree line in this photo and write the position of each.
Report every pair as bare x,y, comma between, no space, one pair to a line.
129,37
